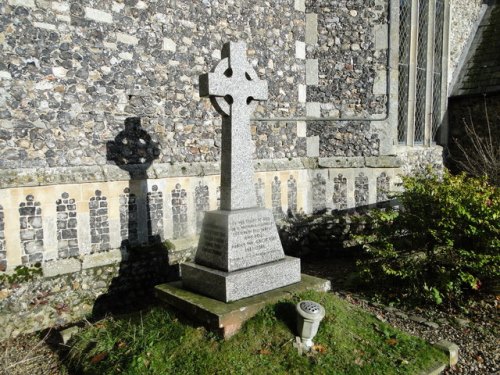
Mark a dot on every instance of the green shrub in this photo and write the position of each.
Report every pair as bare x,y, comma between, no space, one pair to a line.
442,245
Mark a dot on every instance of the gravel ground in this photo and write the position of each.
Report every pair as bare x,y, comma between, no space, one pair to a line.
29,354
477,334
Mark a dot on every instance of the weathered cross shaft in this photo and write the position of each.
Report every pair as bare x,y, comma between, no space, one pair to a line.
234,89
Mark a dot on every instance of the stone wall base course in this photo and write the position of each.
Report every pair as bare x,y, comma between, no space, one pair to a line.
383,162
61,267
342,162
10,178
104,258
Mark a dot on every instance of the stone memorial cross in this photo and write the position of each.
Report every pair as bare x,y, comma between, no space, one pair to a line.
239,251
234,89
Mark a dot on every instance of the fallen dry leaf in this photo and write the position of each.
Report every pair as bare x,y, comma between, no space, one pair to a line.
121,344
391,341
264,351
319,348
359,352
99,357
4,293
402,362
358,361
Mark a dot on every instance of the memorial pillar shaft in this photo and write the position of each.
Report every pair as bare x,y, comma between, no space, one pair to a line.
237,186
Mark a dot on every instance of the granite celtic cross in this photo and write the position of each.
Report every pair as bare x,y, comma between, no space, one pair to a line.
239,253
234,87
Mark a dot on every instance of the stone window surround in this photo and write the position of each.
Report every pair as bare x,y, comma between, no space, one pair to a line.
385,35
428,136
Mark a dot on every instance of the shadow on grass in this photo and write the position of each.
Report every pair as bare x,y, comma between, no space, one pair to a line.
285,312
130,294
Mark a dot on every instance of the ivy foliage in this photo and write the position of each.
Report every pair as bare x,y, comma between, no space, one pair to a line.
20,274
442,245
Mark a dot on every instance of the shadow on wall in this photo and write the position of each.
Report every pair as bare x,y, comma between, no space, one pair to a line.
328,234
145,260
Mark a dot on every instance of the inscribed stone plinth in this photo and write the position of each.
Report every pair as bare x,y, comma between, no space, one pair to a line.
232,240
239,253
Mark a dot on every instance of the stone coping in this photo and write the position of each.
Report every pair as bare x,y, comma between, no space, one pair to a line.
72,265
184,250
25,177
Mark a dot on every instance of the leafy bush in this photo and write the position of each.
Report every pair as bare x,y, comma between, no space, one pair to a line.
442,245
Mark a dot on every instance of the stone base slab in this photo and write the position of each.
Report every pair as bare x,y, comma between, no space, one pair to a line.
227,318
232,286
450,348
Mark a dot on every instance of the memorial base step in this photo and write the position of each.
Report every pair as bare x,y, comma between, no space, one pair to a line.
232,286
226,319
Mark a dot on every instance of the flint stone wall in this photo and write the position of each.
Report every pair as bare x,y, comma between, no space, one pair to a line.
419,159
71,72
464,19
355,32
124,281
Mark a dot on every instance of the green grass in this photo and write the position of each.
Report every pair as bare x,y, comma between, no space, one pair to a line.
349,341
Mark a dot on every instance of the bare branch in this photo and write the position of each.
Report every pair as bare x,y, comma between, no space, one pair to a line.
479,151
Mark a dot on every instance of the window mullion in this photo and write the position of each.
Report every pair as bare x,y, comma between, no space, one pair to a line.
430,73
412,73
444,75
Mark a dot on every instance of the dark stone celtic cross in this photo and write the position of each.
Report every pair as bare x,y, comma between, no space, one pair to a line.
234,89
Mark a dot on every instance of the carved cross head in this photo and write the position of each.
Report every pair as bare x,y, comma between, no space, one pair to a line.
233,86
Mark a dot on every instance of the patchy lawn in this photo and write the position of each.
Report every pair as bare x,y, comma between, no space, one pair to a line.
349,341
